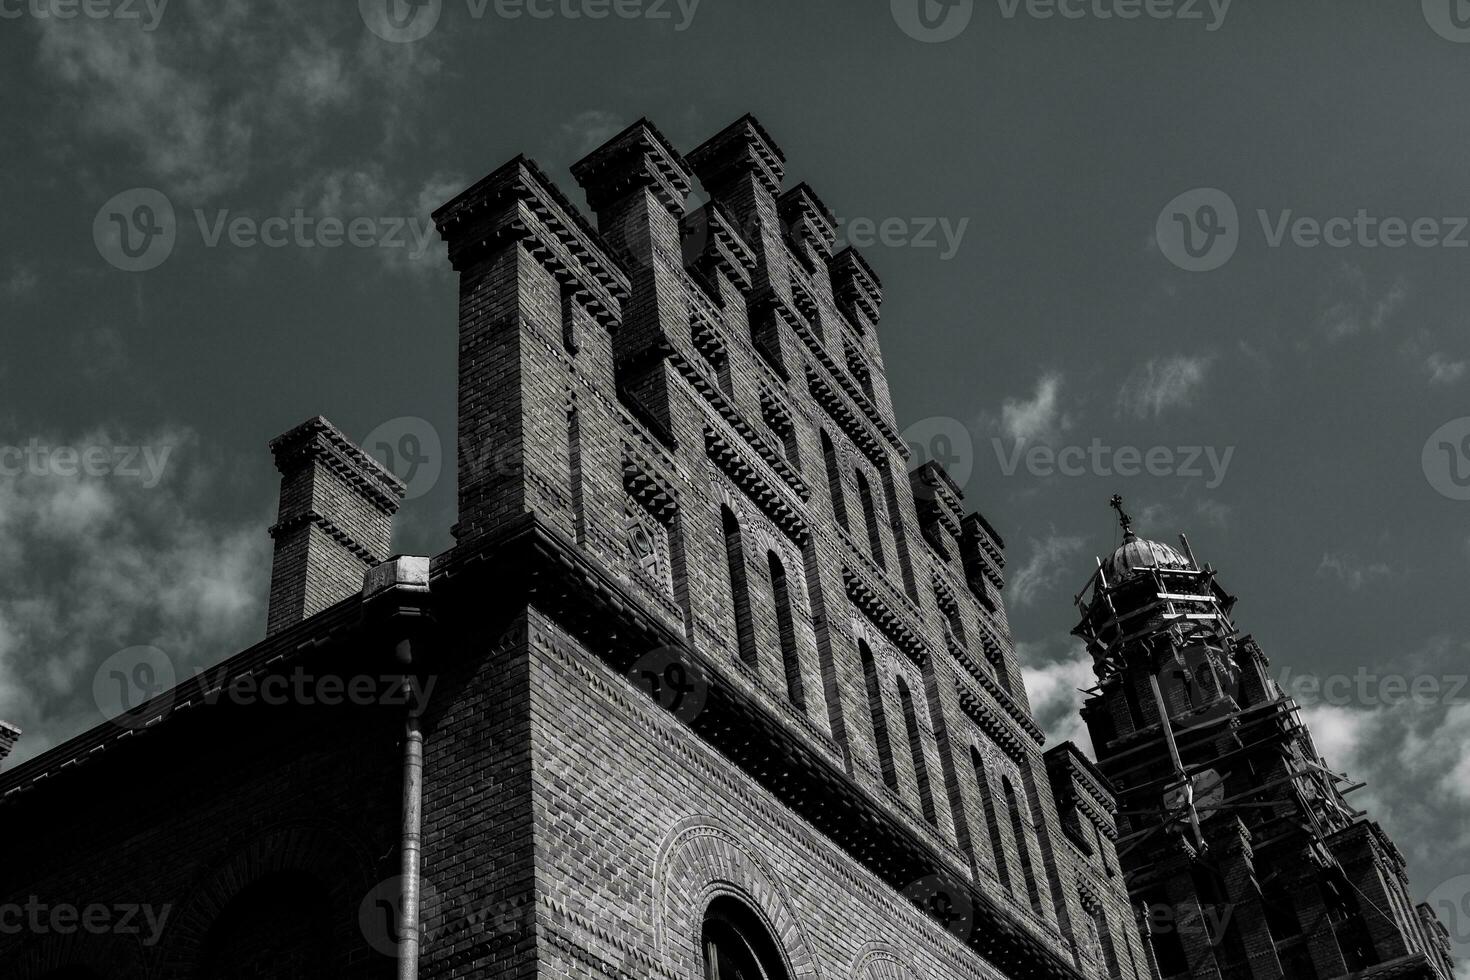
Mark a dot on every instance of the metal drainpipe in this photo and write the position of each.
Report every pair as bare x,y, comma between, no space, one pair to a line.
396,599
410,848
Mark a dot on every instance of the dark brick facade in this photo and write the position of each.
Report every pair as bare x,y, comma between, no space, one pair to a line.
702,643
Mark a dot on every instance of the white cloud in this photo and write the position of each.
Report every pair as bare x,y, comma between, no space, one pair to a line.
96,564
1054,690
408,241
1038,418
1048,564
1352,571
197,100
1162,383
588,130
1352,307
1442,370
20,283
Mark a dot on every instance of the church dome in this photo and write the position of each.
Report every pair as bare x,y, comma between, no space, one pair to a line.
1136,554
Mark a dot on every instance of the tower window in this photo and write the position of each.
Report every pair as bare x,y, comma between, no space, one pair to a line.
737,945
916,751
739,587
786,624
879,716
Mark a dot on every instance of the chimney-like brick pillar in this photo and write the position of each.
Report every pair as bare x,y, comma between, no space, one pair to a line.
9,735
334,523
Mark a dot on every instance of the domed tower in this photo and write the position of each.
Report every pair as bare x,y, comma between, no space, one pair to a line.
1241,851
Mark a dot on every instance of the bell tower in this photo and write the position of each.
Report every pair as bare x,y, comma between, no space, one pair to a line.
1244,858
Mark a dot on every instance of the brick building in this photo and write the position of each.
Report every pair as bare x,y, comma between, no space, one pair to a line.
1237,839
708,686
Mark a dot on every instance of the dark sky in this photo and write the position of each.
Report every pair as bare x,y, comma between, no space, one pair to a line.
1021,168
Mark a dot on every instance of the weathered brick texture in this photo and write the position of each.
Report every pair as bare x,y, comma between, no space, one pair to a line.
685,527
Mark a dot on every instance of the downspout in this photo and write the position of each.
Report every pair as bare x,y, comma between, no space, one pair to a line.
411,846
396,600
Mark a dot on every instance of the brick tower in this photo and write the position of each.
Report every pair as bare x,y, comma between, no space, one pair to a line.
1238,842
708,686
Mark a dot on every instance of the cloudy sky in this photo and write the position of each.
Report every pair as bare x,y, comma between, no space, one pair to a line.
1211,257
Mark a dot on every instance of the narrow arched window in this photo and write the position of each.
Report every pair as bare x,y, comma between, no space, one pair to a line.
870,517
992,824
879,716
739,587
834,481
786,626
1018,829
916,751
737,945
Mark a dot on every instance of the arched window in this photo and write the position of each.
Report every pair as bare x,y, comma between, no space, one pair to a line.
834,481
1018,829
879,716
916,751
987,801
278,927
737,945
786,625
739,587
870,517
